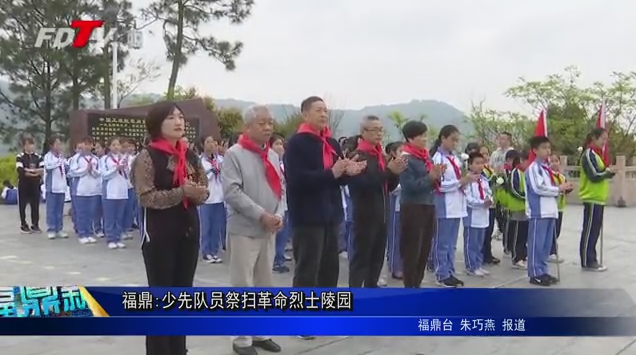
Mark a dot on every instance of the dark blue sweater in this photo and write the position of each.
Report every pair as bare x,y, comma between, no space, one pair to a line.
313,193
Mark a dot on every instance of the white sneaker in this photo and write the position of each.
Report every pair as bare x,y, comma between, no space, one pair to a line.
521,265
84,240
99,235
486,272
121,245
344,254
62,235
92,240
555,259
382,282
477,272
112,245
51,235
126,236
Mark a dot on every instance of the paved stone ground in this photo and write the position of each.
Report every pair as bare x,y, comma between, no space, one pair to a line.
34,260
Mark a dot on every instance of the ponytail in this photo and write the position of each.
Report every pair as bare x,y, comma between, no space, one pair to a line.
436,145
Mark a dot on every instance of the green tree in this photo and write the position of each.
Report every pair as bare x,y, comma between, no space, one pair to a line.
573,107
141,71
488,123
37,96
182,20
289,124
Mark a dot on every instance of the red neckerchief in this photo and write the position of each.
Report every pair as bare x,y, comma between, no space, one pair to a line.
599,152
116,161
507,167
458,172
178,151
421,154
550,173
481,189
273,179
88,159
57,155
374,150
214,163
328,152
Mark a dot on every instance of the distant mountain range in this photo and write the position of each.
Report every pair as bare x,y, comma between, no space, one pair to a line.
437,113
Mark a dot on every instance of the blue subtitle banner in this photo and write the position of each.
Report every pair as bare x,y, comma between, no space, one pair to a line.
73,310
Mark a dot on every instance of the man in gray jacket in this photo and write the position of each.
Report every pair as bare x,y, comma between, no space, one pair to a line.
254,193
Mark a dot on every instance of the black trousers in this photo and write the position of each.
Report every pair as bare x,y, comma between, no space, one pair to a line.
29,194
592,226
518,238
486,249
417,229
500,216
369,250
559,224
316,256
506,239
170,262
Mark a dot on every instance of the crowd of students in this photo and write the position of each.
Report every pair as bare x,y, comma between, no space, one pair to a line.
432,194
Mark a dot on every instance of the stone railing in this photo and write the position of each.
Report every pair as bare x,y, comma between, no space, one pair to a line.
622,186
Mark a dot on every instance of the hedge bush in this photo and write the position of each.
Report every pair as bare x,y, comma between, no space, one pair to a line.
7,169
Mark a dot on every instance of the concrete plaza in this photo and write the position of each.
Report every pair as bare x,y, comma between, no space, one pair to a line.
34,260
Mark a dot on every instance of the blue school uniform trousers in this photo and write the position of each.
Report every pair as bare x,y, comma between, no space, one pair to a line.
55,185
212,214
114,199
85,170
393,247
476,223
450,208
282,238
542,212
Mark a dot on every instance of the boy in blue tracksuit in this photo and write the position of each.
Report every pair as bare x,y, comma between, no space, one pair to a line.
542,211
478,199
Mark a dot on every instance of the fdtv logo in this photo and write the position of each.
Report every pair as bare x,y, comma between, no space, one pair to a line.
78,35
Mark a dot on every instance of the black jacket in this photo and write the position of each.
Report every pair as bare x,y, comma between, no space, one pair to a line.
370,198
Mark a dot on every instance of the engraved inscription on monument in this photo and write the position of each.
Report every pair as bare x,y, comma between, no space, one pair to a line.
103,128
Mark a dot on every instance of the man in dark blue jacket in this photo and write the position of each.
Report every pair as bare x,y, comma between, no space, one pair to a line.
315,170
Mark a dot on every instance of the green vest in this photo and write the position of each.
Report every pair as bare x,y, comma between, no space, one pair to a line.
593,192
558,180
516,203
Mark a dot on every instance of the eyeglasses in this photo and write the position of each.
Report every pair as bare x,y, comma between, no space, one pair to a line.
375,130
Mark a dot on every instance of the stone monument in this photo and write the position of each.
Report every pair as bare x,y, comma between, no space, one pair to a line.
128,122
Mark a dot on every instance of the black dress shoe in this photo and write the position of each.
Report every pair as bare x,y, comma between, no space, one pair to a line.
244,350
552,279
540,281
267,345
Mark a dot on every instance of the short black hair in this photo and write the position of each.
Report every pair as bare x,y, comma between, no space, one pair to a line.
536,141
506,134
51,141
276,137
512,155
474,155
412,129
27,139
157,114
306,104
87,139
472,146
393,147
351,143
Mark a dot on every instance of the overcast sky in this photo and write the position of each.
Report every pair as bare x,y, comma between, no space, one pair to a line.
361,52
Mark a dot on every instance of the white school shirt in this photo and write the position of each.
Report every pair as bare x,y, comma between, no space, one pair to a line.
214,179
128,160
541,192
114,183
55,177
478,213
450,202
88,181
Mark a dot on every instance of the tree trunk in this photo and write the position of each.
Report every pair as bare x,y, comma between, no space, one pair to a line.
178,54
